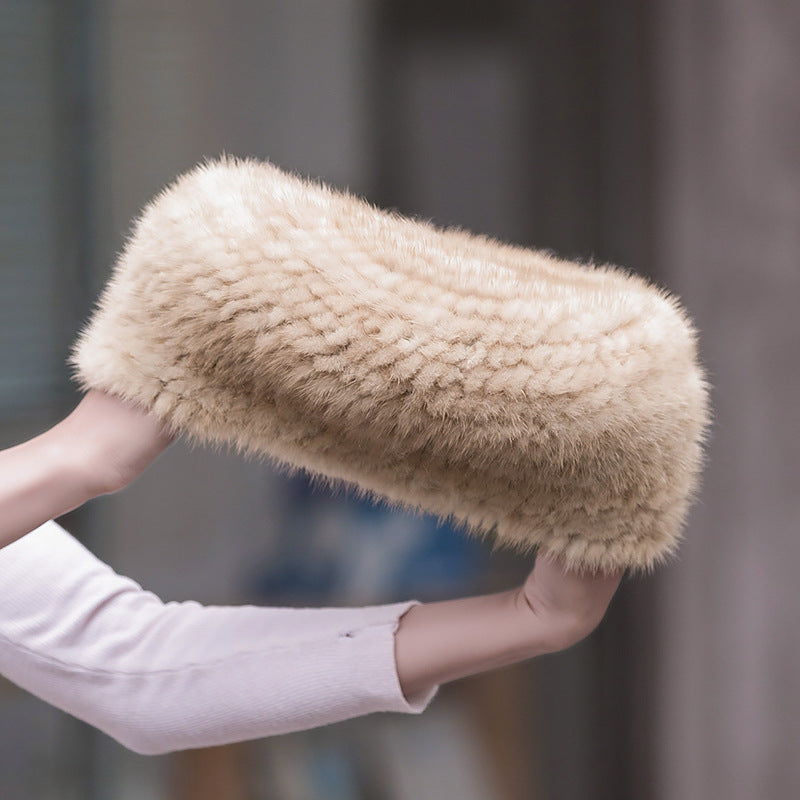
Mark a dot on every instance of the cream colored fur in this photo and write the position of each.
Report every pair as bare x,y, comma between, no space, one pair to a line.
550,403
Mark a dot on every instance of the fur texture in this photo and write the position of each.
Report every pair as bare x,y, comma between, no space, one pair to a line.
549,403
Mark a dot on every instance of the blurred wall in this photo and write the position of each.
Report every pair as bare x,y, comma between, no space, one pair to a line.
728,236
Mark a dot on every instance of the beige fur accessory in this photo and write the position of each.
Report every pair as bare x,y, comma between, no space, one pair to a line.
548,403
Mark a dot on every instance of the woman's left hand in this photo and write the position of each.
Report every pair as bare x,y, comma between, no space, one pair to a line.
116,439
98,449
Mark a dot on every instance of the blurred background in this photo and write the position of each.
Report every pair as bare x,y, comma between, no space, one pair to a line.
664,136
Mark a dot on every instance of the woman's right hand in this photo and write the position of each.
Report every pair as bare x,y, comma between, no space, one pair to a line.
554,609
570,603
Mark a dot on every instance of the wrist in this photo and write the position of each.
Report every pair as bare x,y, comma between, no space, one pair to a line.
443,641
75,465
40,479
113,441
554,630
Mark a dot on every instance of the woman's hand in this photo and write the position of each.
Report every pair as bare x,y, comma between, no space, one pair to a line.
113,440
554,609
569,604
99,448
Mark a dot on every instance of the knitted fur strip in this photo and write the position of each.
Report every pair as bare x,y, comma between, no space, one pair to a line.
549,404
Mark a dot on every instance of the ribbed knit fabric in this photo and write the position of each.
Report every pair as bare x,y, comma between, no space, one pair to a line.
160,677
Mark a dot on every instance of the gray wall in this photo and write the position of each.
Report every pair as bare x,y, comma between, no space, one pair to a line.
728,711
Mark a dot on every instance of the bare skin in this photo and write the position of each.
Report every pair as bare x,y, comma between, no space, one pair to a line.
98,449
106,442
553,610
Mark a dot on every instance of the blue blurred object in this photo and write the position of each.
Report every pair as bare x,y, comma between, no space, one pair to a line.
342,550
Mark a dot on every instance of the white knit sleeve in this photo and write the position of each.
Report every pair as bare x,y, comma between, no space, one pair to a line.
160,677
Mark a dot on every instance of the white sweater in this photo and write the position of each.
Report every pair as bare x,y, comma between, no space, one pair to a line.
161,676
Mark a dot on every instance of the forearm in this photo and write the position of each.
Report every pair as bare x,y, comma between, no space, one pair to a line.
160,677
40,479
99,448
554,609
440,642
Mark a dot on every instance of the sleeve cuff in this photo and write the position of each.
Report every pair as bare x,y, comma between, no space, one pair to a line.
376,662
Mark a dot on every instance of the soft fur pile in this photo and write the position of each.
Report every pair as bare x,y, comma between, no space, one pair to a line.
549,403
